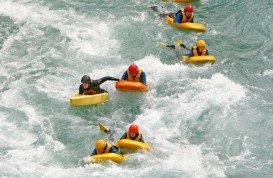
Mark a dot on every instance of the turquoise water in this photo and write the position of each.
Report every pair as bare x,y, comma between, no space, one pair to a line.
202,121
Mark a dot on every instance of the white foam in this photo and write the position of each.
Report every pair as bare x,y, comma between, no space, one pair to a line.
89,35
140,18
22,156
268,73
12,136
18,12
56,87
20,141
217,91
163,113
166,114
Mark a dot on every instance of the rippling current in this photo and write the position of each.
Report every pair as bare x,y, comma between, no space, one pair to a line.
201,120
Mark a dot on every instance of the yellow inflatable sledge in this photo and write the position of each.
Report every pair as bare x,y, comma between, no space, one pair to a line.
179,1
106,157
133,145
199,59
186,26
131,86
86,100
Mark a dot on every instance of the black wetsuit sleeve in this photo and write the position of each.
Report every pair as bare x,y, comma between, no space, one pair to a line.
192,20
185,47
141,139
191,53
124,76
207,52
114,149
171,46
104,79
94,152
143,78
124,136
81,89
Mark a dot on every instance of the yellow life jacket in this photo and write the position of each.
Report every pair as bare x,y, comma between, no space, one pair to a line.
136,139
137,77
108,147
195,52
185,19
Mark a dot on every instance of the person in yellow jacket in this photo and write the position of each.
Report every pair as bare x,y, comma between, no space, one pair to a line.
200,49
103,147
133,134
134,74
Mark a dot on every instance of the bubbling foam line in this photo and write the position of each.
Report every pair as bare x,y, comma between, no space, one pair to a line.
89,35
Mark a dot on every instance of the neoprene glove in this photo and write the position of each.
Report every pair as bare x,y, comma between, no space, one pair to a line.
183,46
171,46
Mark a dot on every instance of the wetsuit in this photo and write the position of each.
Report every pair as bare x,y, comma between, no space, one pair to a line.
94,86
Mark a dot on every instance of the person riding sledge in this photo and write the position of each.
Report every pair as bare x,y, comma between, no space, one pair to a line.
133,134
184,15
134,74
92,87
200,49
103,147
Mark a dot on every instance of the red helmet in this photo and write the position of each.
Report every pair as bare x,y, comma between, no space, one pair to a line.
189,8
133,69
133,128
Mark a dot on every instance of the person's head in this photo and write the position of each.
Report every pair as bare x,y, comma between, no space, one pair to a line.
188,10
133,130
201,44
101,146
133,69
86,80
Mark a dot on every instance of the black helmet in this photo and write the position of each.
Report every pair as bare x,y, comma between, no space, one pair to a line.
86,79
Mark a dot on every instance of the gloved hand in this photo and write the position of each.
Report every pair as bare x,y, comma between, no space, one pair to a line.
171,46
183,46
